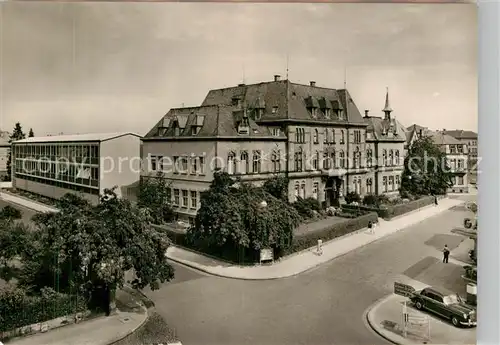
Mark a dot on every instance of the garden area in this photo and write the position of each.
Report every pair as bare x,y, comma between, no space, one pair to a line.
70,263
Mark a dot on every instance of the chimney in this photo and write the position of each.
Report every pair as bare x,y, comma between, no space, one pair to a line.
277,77
366,113
312,83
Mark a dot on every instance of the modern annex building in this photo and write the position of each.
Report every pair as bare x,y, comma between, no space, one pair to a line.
84,163
315,136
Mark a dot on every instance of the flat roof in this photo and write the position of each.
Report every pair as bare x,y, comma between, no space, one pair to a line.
75,137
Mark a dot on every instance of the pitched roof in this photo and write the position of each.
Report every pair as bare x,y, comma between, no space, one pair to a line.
378,126
212,121
461,134
75,137
438,138
289,100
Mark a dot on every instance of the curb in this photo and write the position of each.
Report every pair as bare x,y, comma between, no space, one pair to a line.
202,268
369,318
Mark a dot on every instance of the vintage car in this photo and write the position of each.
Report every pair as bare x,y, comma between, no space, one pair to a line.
445,304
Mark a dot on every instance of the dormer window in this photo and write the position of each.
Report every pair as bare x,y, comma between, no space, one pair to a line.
258,113
314,112
244,126
175,126
275,109
328,113
236,101
195,130
276,132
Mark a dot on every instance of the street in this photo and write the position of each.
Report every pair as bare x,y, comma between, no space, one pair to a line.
326,305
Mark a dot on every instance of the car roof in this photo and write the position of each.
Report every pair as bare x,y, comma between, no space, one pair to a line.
439,290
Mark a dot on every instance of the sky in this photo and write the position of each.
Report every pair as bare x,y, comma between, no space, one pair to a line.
107,67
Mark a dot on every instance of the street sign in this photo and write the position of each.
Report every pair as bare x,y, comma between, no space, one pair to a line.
403,289
266,254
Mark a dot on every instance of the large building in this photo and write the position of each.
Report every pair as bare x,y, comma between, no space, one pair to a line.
315,136
469,138
84,163
456,154
4,153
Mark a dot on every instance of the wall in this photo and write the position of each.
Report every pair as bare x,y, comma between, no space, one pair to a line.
119,162
4,154
49,190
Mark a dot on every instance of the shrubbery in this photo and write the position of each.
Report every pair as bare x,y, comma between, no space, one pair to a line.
352,197
375,200
18,309
306,207
9,212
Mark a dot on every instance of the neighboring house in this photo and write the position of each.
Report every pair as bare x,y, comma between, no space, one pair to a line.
385,152
313,135
456,154
4,152
85,164
470,139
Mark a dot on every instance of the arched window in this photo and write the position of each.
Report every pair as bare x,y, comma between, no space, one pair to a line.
369,185
342,159
391,157
244,162
316,136
303,190
276,162
297,189
397,158
384,183
325,139
342,136
333,159
356,157
369,157
316,160
384,157
333,136
231,163
298,159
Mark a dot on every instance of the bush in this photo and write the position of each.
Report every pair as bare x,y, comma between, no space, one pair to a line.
308,240
352,197
375,200
9,212
18,310
471,272
306,207
388,212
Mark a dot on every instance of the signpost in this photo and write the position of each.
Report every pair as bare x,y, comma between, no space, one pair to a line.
403,289
266,254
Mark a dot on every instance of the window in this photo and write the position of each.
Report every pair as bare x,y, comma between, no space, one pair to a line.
326,162
369,157
256,163
357,137
275,110
333,136
357,156
384,157
342,159
460,181
194,165
315,190
398,162
298,159
276,132
460,148
453,149
194,199
315,160
176,197
275,161
384,183
297,189
231,163
184,166
328,113
460,163
391,183
202,165
391,158
185,201
300,135
325,139
369,186
342,136
244,162
154,165
397,183
314,112
176,164
316,136
303,190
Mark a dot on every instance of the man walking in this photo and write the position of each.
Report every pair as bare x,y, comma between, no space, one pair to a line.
446,254
435,200
370,227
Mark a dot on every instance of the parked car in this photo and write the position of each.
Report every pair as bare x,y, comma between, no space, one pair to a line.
446,304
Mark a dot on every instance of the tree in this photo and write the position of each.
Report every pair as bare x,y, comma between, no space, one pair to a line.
426,170
155,195
89,248
237,218
31,134
277,187
17,134
9,212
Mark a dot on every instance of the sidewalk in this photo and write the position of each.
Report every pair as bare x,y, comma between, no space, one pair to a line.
131,315
385,317
305,260
16,199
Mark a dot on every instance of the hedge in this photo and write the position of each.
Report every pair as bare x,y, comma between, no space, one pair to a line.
308,240
391,211
18,310
247,256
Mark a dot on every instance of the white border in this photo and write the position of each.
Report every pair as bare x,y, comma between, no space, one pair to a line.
488,331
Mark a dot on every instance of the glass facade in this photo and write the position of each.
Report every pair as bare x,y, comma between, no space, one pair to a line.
73,166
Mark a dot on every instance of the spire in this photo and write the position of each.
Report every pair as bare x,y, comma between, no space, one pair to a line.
387,107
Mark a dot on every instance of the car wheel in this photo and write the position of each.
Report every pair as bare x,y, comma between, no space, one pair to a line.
455,322
419,305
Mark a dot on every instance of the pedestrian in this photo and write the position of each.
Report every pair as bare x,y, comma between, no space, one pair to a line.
435,200
370,227
446,253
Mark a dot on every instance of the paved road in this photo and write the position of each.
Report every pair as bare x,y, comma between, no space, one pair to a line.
323,306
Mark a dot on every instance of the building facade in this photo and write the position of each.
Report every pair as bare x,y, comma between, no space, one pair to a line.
84,164
456,155
4,153
315,136
468,138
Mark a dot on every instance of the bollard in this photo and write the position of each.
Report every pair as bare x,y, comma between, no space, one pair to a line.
472,294
320,249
